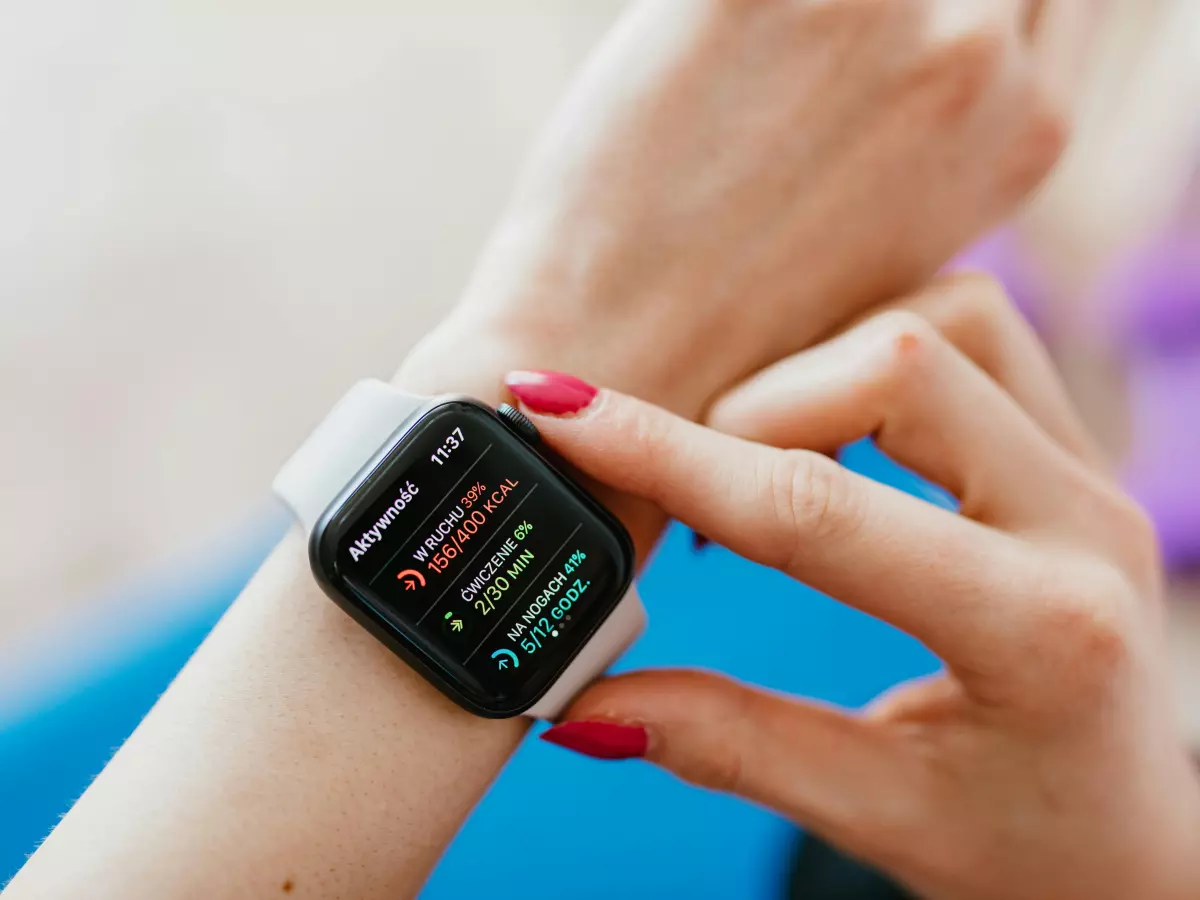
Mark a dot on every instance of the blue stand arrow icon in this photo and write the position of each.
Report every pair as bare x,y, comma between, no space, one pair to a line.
504,655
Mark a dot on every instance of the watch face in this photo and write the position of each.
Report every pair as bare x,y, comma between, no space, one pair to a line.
465,551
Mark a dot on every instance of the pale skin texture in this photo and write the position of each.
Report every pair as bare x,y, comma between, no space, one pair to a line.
1045,762
726,182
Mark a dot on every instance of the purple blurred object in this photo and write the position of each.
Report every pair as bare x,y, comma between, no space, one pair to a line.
1157,319
1156,299
1162,469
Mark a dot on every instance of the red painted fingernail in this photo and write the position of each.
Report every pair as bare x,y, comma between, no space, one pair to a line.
553,393
602,740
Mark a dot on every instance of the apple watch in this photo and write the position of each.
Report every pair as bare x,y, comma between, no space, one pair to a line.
438,525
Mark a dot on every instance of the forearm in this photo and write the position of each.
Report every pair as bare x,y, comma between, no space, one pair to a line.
294,749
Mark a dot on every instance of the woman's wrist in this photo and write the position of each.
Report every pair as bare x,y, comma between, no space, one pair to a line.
471,351
547,322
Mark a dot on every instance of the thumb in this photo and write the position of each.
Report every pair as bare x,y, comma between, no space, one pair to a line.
838,775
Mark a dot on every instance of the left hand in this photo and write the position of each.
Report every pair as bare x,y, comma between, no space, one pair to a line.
1045,762
689,217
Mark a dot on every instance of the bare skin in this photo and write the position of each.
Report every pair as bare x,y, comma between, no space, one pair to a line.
726,182
1046,761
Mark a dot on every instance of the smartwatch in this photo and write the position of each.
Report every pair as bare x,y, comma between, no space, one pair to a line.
438,525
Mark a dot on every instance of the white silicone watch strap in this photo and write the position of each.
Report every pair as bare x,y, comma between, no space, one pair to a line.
355,430
347,437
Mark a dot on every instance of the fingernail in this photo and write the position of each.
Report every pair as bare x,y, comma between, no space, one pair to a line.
552,393
699,541
601,740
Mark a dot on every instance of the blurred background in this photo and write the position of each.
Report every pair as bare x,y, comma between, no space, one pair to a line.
195,196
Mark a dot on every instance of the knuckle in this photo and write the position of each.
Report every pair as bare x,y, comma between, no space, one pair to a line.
960,68
978,317
723,769
1143,539
984,301
718,733
645,430
1087,631
979,50
1041,139
1138,538
914,345
650,436
724,772
813,500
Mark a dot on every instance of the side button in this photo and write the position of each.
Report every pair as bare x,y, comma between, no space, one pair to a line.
518,422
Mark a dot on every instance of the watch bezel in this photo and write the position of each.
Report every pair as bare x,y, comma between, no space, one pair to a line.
364,489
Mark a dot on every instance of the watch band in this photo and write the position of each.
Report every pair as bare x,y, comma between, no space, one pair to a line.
347,437
351,434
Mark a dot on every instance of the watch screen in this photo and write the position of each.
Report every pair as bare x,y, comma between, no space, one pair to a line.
484,562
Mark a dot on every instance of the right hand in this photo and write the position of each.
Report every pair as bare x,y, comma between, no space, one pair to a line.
727,180
1045,761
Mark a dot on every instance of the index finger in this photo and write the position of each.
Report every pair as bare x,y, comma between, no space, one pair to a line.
921,568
